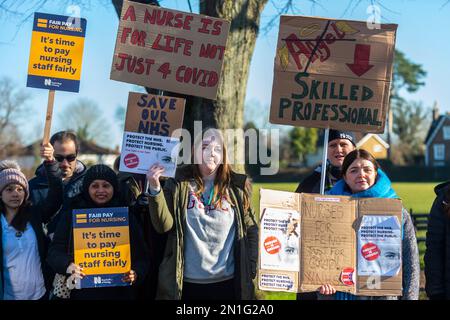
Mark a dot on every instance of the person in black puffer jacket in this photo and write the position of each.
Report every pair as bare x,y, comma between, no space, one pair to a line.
437,254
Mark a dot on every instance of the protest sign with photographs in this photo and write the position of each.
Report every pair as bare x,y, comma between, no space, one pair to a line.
149,136
308,240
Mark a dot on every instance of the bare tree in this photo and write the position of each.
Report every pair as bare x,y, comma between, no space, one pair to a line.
12,106
85,118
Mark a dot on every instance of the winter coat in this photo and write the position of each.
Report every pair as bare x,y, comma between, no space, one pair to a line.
39,188
61,253
168,213
131,188
410,253
437,254
41,213
311,184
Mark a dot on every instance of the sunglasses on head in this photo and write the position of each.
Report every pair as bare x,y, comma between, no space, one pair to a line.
69,158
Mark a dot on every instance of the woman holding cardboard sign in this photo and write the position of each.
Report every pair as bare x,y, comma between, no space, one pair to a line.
212,244
363,178
99,190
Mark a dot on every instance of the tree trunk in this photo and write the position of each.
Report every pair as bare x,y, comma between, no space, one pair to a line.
227,112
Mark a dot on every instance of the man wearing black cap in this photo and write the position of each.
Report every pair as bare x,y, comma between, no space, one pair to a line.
340,143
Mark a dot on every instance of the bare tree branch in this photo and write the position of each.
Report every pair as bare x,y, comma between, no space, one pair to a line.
12,106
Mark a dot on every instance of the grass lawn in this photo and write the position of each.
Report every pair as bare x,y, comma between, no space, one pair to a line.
416,196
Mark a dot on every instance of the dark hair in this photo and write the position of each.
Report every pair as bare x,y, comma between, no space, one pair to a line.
64,136
23,216
116,164
358,154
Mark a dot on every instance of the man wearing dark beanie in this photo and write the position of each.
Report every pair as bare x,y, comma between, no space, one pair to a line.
340,143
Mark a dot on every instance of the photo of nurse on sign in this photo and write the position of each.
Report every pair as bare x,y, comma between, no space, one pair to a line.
280,239
379,246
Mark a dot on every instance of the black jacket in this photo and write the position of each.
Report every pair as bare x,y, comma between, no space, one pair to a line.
39,189
311,184
131,188
40,214
61,253
437,254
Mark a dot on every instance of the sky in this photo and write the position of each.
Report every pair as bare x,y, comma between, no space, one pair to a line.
423,35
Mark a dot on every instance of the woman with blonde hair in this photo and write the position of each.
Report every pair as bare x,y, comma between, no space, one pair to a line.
212,244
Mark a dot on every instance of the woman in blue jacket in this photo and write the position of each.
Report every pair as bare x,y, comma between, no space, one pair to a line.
363,178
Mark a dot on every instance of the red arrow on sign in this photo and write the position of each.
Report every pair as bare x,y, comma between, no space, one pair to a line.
361,64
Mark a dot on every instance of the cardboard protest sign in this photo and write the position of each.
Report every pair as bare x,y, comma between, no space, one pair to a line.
328,245
336,244
275,274
56,52
379,225
280,230
169,50
149,133
332,73
102,245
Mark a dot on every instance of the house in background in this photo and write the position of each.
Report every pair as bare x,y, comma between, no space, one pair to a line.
373,143
437,141
89,153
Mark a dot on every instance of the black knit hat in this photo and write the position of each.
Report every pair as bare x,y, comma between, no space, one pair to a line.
336,134
100,172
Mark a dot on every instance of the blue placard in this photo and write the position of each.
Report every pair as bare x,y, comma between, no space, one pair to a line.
63,25
56,51
95,224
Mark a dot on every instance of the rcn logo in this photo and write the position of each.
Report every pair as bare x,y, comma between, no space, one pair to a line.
48,82
97,280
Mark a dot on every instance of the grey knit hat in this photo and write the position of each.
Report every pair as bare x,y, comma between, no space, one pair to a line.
9,176
9,164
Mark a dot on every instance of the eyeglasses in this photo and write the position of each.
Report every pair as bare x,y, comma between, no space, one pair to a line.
69,158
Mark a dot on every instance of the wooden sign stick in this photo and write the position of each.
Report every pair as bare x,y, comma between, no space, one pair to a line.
48,117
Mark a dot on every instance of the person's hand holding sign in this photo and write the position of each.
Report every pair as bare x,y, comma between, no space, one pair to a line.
130,277
47,151
327,289
76,274
153,175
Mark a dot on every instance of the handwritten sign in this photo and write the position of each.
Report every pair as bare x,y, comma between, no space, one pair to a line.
102,245
56,52
336,243
149,133
169,50
332,73
328,242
